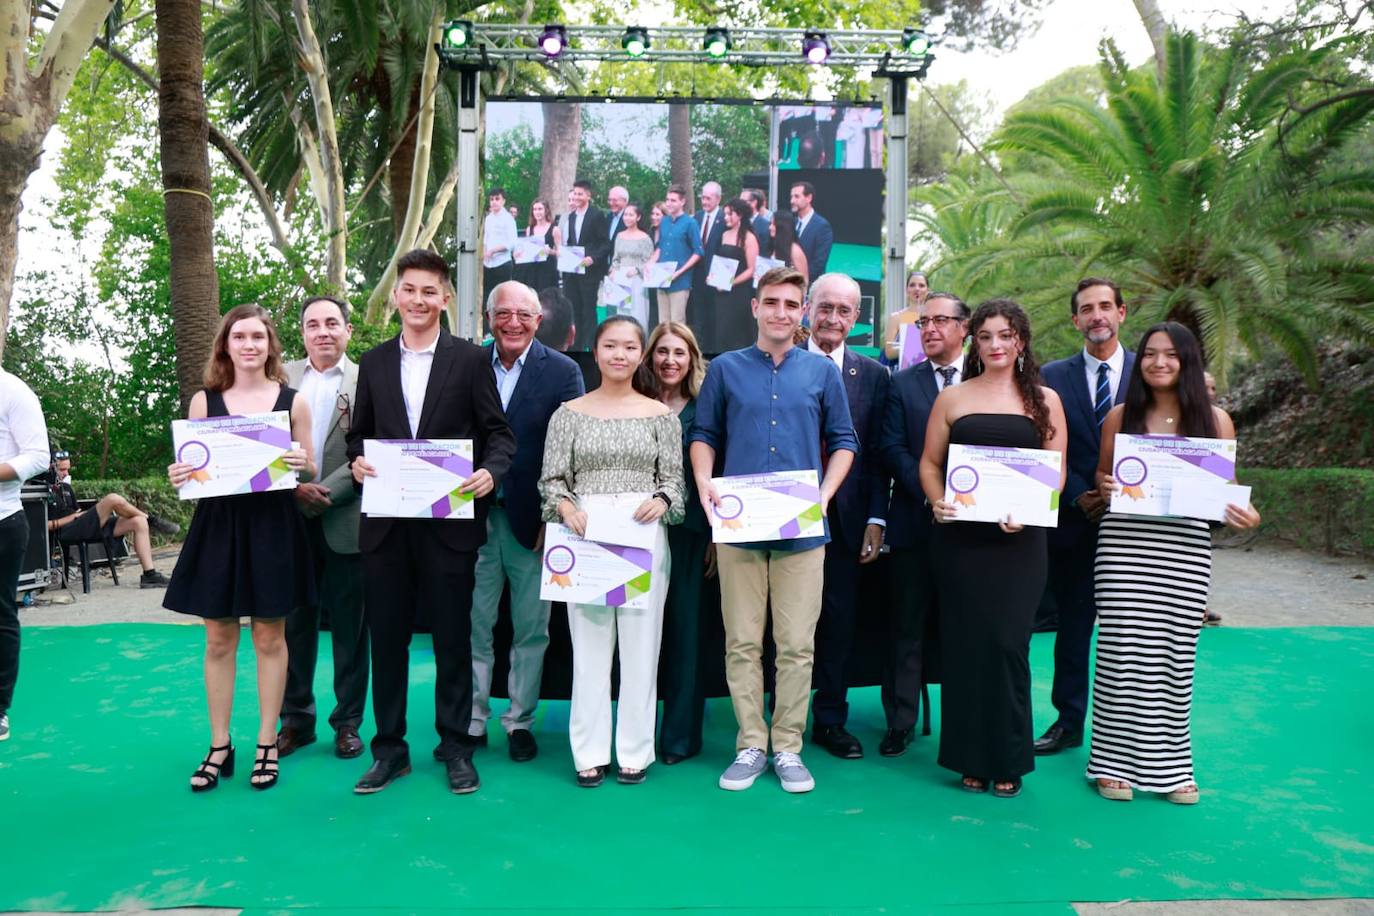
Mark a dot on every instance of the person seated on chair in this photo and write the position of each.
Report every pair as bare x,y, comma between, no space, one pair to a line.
112,516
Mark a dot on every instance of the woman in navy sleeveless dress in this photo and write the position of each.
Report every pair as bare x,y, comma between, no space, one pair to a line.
992,574
246,555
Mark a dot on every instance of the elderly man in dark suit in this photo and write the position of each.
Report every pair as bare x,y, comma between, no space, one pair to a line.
943,324
814,234
585,226
328,380
1089,383
701,306
425,384
532,381
857,515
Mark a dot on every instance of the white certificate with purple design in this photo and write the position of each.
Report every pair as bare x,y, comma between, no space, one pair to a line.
997,484
418,478
233,455
580,571
1147,468
778,506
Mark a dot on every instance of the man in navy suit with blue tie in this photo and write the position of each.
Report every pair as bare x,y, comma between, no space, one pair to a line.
814,234
857,515
943,325
1089,383
532,381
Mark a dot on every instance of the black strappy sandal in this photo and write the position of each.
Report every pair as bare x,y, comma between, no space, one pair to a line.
1013,788
260,767
224,768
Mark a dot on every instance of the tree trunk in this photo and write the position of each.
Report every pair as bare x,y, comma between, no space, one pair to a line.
18,164
184,131
562,144
1154,23
402,164
680,148
331,165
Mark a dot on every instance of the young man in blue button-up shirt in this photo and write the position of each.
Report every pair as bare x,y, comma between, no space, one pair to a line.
771,407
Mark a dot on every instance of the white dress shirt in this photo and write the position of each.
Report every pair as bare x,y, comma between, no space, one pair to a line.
507,379
23,439
415,366
801,223
498,231
321,392
1116,363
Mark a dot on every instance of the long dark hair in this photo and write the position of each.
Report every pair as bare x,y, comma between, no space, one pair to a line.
643,380
785,234
1027,371
1195,408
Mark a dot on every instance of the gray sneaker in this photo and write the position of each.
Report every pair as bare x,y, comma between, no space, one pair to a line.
792,773
4,728
740,775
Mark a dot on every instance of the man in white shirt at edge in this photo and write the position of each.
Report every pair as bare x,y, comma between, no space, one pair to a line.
499,233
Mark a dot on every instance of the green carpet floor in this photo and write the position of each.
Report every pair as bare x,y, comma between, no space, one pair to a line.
109,722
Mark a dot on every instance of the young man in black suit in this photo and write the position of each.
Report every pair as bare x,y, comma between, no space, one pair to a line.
857,515
1089,383
584,225
943,325
814,234
425,384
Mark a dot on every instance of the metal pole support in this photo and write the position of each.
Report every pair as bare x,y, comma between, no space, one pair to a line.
894,268
465,309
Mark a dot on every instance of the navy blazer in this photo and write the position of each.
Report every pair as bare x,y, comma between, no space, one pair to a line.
709,249
761,224
547,380
904,439
1067,377
863,495
461,402
816,241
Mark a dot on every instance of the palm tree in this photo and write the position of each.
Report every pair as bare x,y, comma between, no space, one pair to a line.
1207,193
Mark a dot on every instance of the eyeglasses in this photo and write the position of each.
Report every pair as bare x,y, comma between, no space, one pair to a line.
940,322
60,455
502,315
345,412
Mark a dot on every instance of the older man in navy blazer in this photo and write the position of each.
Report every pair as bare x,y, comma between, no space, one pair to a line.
943,325
1089,383
856,515
532,381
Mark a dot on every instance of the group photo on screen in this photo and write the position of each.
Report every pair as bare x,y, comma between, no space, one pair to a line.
673,210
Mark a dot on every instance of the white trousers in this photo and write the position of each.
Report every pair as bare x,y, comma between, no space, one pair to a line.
595,631
502,558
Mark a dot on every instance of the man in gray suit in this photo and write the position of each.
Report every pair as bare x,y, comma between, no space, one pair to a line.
328,380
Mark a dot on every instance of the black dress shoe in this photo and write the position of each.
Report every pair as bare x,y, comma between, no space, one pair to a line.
837,741
521,745
462,775
382,773
895,741
347,744
669,758
472,741
1056,738
291,739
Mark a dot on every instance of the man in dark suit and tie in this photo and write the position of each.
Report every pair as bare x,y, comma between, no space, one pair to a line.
943,325
585,226
857,515
701,305
814,234
425,384
532,381
1089,383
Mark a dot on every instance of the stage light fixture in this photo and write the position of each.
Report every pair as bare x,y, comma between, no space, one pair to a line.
815,47
635,41
717,43
457,35
553,40
915,42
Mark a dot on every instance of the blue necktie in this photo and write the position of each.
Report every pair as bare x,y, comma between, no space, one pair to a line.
1103,402
947,373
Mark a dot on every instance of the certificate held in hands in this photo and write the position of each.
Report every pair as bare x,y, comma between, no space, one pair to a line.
233,455
418,478
580,571
780,506
997,484
1180,476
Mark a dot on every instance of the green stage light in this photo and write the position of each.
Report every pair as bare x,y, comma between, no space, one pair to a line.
457,35
635,41
717,43
915,42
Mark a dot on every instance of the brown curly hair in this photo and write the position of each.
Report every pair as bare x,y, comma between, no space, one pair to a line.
1027,371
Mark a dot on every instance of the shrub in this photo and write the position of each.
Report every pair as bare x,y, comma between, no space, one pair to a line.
1316,508
151,494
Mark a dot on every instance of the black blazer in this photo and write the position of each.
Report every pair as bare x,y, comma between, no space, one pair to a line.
709,249
1066,377
460,403
594,237
863,495
912,395
547,380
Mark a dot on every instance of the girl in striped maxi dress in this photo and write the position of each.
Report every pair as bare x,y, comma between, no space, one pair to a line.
1152,576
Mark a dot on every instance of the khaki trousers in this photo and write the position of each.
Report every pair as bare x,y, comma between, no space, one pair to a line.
749,579
673,305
